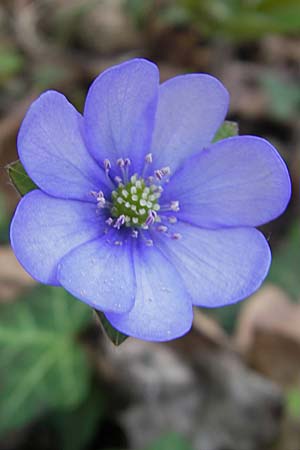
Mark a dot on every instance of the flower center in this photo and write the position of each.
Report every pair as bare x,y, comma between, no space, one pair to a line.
135,202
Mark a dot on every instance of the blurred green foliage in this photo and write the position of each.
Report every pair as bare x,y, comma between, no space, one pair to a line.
243,19
292,402
172,441
11,63
286,262
139,10
284,96
42,364
76,427
4,221
234,19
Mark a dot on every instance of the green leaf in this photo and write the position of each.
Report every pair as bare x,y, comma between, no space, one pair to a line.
116,337
286,262
42,365
172,441
19,177
226,130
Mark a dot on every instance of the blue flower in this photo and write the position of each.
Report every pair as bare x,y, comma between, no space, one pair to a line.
138,214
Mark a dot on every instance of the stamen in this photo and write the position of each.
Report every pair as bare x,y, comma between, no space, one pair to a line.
119,222
162,228
172,219
107,165
148,161
120,162
151,218
150,180
123,164
174,206
148,158
99,196
134,233
118,180
161,173
109,221
176,236
149,242
127,162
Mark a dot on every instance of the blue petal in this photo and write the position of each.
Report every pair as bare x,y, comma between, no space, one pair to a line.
218,267
52,150
190,110
162,309
44,229
240,181
119,112
101,274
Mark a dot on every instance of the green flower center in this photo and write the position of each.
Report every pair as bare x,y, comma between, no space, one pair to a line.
135,201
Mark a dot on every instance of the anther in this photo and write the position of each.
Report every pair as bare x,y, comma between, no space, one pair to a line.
151,218
109,221
149,242
160,173
162,228
107,165
172,219
176,236
118,180
119,222
134,233
99,198
127,162
148,158
120,162
174,206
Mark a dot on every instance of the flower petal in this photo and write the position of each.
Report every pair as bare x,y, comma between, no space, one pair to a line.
44,229
240,181
218,267
101,274
52,150
162,309
190,110
119,112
